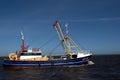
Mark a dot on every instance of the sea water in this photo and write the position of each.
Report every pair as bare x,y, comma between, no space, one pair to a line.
106,67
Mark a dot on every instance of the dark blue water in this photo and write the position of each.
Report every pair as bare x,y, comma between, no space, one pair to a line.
106,67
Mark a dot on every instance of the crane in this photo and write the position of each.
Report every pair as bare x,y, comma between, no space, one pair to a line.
67,43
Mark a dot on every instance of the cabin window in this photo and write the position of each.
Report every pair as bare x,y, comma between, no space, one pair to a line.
25,51
74,56
30,53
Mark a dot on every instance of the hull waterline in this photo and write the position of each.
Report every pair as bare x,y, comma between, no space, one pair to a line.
68,62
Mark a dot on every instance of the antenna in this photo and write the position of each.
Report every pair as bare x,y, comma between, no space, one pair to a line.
66,25
22,35
23,46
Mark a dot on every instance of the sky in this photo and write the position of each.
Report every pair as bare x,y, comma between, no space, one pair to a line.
93,24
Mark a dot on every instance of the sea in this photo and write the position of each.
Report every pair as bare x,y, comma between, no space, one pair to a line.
106,67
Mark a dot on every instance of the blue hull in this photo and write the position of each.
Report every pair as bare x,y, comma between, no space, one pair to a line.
68,62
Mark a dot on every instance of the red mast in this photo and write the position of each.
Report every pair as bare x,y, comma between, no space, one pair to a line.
23,46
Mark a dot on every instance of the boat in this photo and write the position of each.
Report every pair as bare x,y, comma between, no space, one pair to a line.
74,56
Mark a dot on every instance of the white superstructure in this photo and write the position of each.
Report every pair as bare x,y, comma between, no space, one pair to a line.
31,54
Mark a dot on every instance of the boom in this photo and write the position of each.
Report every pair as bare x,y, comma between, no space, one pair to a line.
63,38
